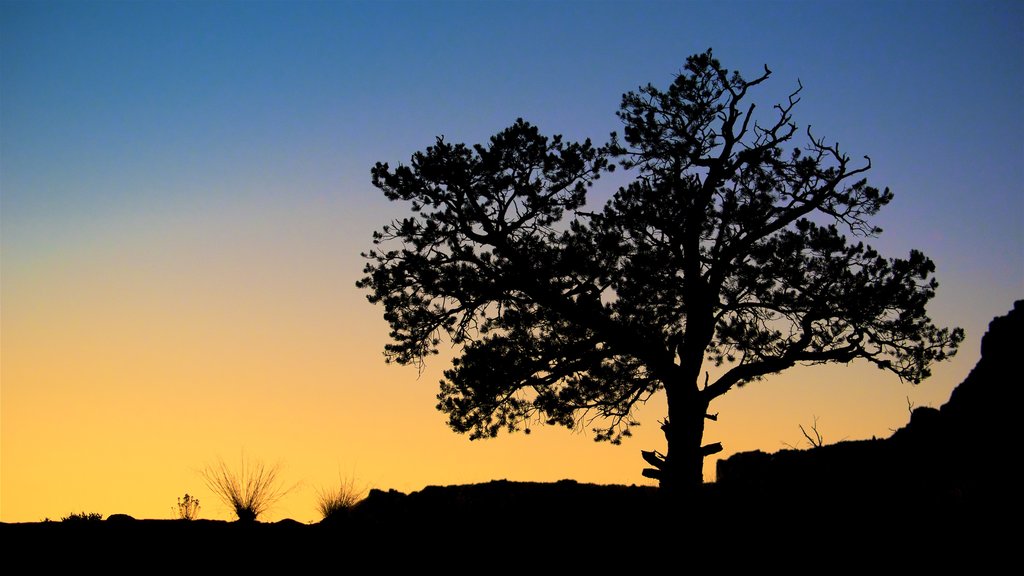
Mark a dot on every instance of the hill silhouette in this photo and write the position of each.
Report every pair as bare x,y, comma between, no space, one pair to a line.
952,456
943,481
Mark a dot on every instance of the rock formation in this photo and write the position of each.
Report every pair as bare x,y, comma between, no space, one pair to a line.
958,453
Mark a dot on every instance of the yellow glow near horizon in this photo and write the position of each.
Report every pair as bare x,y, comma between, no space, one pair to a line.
127,368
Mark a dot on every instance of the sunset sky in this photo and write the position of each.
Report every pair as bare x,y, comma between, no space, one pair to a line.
186,190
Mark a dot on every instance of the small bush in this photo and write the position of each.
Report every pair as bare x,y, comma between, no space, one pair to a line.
82,517
334,503
188,508
250,491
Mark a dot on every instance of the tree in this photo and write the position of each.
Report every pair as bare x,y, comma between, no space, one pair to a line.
725,252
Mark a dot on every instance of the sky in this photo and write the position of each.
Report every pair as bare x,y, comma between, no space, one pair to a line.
185,193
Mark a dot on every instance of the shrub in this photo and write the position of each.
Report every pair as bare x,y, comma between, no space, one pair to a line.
82,517
250,491
188,508
335,502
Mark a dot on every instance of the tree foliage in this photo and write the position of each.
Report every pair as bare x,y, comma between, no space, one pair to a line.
735,245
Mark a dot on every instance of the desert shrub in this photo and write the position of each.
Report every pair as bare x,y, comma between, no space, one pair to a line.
188,507
335,502
82,517
248,492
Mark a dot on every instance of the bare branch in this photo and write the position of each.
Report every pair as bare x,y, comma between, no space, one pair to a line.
817,441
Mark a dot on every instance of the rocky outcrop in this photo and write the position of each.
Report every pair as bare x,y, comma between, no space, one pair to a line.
958,453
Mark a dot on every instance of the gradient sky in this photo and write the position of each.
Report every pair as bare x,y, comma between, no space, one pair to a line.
185,194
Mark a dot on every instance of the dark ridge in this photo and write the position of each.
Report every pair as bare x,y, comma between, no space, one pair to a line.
955,457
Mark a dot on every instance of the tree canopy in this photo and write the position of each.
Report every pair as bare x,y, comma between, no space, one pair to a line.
735,245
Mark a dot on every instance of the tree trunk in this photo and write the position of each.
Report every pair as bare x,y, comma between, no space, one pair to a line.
683,473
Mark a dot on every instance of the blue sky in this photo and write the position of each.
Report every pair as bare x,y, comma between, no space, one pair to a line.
102,99
201,169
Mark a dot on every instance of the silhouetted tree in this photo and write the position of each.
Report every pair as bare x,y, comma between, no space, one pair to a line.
724,250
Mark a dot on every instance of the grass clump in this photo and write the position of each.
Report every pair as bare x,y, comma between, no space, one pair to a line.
250,491
334,503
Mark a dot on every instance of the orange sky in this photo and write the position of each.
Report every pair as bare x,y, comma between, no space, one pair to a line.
152,360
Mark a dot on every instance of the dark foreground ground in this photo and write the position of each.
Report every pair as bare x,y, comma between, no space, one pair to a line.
508,527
